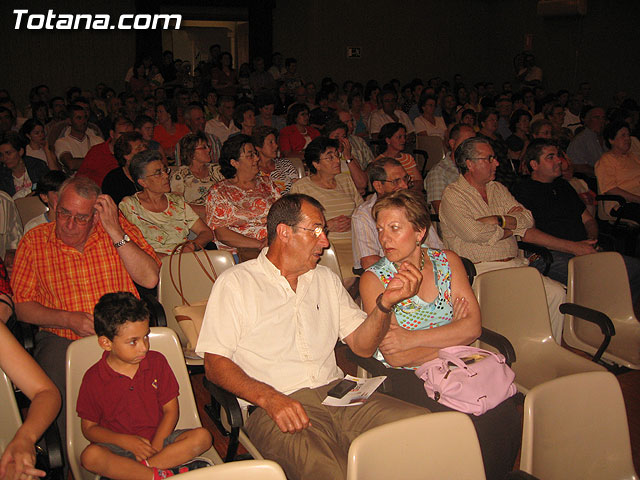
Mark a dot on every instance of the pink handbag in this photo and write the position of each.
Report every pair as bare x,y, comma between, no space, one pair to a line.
468,379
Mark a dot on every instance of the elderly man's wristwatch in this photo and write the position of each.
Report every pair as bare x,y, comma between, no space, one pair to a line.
122,242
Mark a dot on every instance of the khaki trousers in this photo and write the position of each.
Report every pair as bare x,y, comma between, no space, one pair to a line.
320,451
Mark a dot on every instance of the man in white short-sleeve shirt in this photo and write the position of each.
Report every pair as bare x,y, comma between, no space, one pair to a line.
76,143
269,334
389,113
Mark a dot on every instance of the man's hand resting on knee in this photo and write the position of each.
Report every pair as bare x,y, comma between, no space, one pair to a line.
288,414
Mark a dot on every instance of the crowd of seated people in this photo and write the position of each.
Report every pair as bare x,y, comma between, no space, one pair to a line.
203,154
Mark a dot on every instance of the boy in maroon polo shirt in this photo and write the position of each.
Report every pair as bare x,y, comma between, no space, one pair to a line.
128,401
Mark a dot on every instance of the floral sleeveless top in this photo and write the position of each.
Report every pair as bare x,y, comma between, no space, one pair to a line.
414,313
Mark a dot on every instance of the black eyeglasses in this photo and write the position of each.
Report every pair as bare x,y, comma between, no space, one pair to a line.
396,181
316,231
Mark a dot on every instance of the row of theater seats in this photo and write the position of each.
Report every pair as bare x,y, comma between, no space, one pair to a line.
518,305
574,427
513,305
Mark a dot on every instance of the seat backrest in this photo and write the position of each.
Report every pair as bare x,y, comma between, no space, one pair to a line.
85,352
29,207
513,303
245,470
575,427
10,420
433,146
330,259
600,281
424,447
196,286
299,166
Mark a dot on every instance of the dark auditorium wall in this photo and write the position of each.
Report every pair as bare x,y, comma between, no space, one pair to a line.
403,39
63,58
477,38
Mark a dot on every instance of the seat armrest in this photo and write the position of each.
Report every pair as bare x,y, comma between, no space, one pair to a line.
158,317
227,401
611,198
53,445
544,253
500,342
593,316
372,365
425,155
222,399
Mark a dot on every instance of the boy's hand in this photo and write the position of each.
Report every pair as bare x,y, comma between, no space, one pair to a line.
139,446
157,444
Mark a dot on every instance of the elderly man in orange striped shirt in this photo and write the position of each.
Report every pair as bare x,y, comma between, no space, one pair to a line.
62,268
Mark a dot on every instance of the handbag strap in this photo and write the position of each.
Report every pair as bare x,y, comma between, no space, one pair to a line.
456,358
178,251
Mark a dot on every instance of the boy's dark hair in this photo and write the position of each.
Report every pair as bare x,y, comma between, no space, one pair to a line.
116,309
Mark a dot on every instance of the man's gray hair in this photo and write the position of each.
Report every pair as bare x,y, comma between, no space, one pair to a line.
467,150
187,111
83,186
376,171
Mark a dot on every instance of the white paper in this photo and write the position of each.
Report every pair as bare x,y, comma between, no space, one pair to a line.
358,394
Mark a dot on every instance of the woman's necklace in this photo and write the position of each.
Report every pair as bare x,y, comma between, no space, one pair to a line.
421,261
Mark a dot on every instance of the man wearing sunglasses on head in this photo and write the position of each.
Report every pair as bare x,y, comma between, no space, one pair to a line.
385,175
63,267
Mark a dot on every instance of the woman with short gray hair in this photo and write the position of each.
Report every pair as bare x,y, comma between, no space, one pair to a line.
164,218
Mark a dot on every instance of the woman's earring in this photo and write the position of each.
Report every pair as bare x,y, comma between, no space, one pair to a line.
417,243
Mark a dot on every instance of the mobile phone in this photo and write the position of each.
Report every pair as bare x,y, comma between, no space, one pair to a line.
341,389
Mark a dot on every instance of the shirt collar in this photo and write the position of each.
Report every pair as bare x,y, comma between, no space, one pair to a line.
273,271
96,235
107,373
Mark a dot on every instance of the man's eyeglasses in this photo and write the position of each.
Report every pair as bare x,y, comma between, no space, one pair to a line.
316,231
396,181
489,159
157,173
80,219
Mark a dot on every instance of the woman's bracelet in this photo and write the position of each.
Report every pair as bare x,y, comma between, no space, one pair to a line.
381,307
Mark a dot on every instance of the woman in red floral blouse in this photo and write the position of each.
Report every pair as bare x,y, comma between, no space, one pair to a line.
237,207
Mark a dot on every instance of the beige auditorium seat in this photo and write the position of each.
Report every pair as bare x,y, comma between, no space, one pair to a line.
434,147
243,470
299,166
83,353
600,282
194,283
575,427
513,303
29,207
10,419
428,447
330,260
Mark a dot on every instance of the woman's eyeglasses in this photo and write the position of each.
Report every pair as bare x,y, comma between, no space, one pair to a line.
157,173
